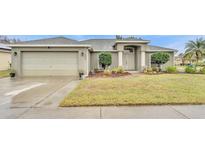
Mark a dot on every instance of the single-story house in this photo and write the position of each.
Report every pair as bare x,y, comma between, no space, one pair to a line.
179,60
62,56
5,57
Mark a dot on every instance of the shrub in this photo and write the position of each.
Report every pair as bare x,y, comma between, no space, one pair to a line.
160,58
149,70
171,69
107,72
105,59
155,69
96,70
202,70
118,69
190,69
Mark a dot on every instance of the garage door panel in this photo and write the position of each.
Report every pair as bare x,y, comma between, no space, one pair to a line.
50,73
49,63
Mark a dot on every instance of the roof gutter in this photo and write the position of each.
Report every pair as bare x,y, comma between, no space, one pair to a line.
161,50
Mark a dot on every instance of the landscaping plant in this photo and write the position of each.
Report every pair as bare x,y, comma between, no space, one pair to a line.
160,58
105,59
155,69
195,49
118,69
150,70
190,69
107,72
171,69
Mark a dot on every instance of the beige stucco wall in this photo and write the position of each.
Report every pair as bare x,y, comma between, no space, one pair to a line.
94,61
86,60
83,56
169,63
5,59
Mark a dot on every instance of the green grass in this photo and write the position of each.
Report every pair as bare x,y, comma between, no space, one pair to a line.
138,90
4,73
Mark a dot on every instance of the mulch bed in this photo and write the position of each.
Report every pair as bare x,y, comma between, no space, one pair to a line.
101,74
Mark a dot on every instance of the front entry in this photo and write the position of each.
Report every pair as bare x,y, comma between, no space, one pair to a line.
129,60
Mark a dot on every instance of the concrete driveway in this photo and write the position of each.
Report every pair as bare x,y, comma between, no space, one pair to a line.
17,96
38,98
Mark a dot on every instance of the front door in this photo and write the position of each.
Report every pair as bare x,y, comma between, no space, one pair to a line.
129,60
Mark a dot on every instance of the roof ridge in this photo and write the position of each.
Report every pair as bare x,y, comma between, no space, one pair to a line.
50,38
98,39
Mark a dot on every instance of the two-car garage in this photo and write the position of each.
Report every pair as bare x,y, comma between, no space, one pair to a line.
43,63
50,60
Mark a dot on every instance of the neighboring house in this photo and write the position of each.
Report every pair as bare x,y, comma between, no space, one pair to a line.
5,57
62,56
179,60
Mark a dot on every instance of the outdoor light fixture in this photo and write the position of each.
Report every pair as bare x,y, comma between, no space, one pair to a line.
82,54
15,53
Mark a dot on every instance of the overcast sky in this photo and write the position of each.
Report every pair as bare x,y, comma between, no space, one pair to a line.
170,41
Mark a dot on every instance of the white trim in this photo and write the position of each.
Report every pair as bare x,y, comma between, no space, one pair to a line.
5,51
5,47
105,50
160,50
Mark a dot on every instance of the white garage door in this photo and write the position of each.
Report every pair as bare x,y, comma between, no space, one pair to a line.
49,63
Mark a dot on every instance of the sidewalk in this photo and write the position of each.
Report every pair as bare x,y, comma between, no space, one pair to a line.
122,112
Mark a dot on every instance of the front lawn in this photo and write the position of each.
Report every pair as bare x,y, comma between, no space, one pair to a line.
4,73
140,89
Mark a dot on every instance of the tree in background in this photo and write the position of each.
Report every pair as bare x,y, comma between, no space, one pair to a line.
5,39
105,59
160,58
195,49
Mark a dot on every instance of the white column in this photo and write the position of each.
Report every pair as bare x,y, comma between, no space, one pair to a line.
149,60
87,59
142,60
120,58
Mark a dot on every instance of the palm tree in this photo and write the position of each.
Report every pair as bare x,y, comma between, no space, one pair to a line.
195,49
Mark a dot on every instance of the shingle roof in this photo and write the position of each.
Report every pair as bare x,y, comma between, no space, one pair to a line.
157,48
96,44
49,41
100,44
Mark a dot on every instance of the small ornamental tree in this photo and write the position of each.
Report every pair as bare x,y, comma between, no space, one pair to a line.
105,59
160,58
